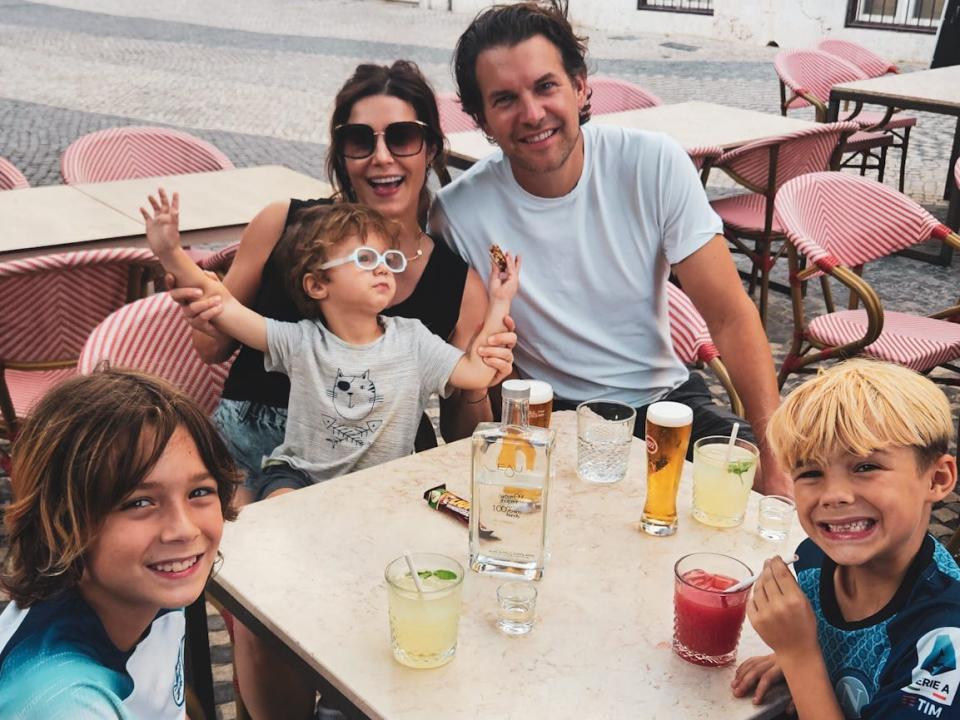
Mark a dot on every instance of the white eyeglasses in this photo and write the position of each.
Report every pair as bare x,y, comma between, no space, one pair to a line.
366,258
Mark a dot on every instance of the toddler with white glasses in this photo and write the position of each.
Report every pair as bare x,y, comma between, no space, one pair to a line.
359,381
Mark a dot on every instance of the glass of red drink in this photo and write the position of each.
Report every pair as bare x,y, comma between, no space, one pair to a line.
707,621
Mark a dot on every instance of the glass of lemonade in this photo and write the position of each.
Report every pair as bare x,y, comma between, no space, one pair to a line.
423,625
722,484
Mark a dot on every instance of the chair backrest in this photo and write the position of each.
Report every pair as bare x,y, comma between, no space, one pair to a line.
610,95
867,60
220,261
797,153
151,335
688,330
834,217
813,72
126,153
704,154
452,117
10,177
49,304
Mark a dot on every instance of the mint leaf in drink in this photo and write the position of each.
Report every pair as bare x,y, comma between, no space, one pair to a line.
739,467
445,574
424,574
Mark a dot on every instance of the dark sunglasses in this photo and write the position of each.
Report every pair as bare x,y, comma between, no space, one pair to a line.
356,141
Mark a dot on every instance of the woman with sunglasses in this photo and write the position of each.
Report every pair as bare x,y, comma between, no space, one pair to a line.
385,138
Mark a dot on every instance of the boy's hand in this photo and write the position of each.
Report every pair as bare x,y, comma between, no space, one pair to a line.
781,613
503,285
163,234
761,671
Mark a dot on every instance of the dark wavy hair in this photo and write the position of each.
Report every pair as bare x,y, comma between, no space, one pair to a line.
85,447
508,26
401,80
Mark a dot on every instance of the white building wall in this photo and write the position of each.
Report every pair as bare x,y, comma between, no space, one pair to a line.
789,23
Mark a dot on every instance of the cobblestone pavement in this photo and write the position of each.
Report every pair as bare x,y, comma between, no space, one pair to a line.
257,78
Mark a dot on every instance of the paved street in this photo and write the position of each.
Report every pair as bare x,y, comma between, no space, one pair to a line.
258,77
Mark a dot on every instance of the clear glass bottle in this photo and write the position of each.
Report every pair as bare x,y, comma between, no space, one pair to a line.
509,489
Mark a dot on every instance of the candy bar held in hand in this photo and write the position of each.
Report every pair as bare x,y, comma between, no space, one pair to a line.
496,254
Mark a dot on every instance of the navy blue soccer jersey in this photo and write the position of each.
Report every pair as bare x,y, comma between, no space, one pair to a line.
901,662
57,663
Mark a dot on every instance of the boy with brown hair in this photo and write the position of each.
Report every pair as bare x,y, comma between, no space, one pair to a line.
359,381
870,627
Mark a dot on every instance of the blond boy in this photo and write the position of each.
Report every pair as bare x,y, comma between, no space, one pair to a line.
870,628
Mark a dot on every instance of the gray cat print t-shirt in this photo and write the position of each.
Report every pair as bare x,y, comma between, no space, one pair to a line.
355,406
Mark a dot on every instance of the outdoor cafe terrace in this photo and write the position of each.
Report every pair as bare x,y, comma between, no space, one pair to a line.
256,82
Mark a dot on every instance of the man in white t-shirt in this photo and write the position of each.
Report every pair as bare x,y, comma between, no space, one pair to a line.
600,215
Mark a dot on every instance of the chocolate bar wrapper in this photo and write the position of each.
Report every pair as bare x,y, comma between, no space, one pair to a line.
441,499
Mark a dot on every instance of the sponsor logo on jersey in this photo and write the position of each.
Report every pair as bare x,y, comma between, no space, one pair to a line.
936,675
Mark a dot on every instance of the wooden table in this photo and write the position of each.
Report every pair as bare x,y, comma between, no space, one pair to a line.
692,124
934,91
306,570
214,207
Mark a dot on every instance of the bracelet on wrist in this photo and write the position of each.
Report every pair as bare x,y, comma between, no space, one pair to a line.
478,400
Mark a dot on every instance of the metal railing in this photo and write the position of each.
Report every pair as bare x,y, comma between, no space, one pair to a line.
920,16
697,7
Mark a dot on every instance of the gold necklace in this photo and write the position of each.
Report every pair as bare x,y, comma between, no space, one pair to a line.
419,249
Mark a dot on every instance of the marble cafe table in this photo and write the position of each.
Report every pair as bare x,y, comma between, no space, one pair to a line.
692,124
305,570
214,207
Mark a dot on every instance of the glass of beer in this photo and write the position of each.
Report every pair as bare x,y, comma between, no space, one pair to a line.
541,403
668,434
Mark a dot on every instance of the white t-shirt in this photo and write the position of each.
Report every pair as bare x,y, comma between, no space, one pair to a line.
591,311
355,406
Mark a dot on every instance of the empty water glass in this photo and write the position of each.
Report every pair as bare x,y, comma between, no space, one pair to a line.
604,434
776,516
516,603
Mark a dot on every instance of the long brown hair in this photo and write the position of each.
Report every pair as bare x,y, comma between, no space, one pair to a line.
86,445
401,80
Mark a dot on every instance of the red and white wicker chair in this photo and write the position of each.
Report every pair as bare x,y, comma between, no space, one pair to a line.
763,167
48,306
610,95
810,74
704,158
125,153
692,342
151,335
867,60
221,260
10,177
452,117
839,222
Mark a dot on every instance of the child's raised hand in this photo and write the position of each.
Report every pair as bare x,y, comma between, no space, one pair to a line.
503,284
163,234
761,672
781,613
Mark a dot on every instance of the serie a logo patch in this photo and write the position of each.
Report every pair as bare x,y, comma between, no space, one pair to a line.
936,676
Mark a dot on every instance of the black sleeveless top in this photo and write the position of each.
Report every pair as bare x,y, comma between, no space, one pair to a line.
435,301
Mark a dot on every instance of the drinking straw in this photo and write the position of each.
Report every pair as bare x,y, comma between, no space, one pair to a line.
753,578
730,444
413,571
